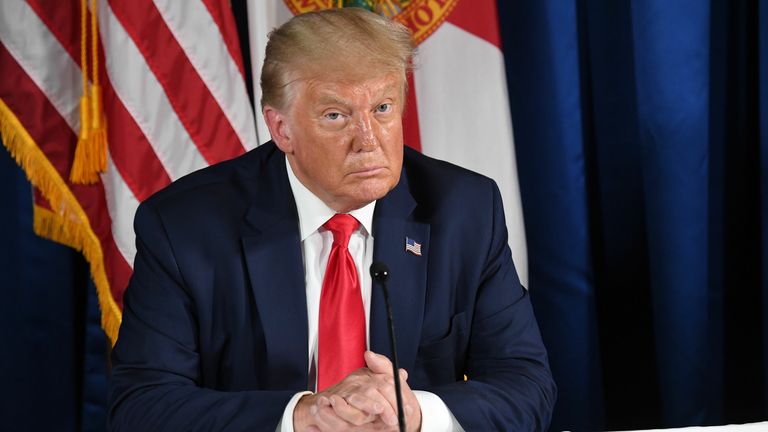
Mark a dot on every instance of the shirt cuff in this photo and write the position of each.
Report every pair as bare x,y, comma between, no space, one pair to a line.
435,415
286,423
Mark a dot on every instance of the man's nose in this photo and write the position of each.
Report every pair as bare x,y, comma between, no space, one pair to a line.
366,139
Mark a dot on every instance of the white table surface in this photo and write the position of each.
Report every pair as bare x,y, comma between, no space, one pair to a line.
751,427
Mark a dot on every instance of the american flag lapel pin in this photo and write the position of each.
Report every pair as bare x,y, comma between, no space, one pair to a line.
412,246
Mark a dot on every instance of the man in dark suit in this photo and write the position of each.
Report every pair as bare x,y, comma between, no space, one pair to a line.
251,307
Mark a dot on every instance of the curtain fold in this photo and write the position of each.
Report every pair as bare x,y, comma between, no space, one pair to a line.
641,144
763,74
671,81
763,49
540,42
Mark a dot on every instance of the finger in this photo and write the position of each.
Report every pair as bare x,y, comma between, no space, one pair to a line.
372,401
323,401
327,420
388,390
378,363
349,413
411,403
386,386
324,422
381,365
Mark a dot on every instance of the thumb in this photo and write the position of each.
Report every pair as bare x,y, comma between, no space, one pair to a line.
378,363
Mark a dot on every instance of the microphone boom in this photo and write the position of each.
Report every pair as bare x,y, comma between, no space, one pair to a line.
380,274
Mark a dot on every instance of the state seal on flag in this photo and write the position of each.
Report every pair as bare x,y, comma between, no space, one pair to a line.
423,17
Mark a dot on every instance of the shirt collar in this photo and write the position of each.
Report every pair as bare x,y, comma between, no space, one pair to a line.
313,212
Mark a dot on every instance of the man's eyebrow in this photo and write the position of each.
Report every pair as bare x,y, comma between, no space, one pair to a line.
331,99
388,89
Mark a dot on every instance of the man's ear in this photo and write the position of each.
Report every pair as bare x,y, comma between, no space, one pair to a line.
278,128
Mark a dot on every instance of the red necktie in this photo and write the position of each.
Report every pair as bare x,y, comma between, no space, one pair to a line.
341,328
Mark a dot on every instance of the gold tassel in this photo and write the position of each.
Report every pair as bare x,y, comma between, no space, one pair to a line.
99,131
91,152
79,173
82,171
99,119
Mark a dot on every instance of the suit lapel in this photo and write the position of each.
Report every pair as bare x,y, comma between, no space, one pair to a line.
272,251
394,220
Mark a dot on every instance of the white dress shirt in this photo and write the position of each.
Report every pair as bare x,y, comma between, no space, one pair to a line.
316,244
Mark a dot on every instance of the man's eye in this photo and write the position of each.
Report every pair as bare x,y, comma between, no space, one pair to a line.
333,116
384,107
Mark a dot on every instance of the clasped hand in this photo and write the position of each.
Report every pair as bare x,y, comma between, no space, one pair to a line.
363,401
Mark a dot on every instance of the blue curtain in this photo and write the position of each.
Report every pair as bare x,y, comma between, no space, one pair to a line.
641,131
53,368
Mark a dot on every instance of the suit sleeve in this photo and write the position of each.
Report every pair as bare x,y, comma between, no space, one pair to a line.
155,383
509,386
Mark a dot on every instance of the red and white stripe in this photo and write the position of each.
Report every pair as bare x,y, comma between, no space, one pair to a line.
174,96
460,95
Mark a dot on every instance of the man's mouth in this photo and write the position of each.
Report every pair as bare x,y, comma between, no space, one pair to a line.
368,171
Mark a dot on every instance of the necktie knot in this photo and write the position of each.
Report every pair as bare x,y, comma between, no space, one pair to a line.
342,226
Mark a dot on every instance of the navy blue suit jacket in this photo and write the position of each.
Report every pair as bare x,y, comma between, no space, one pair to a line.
214,332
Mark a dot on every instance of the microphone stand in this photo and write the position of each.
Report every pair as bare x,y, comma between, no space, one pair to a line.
380,274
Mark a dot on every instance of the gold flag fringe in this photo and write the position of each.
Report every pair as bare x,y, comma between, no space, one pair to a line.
67,223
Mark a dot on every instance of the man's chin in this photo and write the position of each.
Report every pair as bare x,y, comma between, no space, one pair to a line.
366,193
376,188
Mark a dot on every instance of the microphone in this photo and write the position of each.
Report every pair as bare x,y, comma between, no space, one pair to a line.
380,274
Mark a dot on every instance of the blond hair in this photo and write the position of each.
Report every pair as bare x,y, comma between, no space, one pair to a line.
350,43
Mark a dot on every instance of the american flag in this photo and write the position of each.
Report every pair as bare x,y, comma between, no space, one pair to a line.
174,98
412,247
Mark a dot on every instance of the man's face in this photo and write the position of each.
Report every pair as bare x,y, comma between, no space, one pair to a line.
343,139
